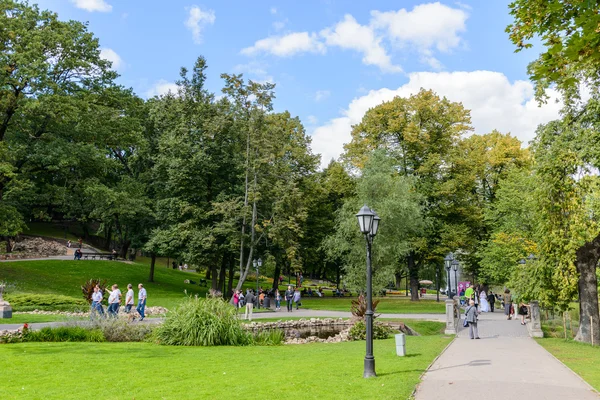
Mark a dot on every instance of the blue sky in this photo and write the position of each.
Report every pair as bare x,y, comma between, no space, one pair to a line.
331,60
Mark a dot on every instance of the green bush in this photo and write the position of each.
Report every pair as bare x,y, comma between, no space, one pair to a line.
359,331
120,330
202,322
45,302
268,337
64,334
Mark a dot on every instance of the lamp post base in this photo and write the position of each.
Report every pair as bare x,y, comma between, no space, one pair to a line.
369,368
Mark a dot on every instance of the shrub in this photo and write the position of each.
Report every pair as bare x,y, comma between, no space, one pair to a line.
268,337
359,331
87,289
64,334
119,330
359,306
46,302
202,322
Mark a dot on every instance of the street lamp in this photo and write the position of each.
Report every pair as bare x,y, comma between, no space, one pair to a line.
455,268
368,222
257,264
448,264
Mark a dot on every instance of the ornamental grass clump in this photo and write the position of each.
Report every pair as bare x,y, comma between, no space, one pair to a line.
202,322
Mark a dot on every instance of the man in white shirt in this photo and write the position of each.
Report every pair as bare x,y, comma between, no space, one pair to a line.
114,301
129,298
96,302
141,301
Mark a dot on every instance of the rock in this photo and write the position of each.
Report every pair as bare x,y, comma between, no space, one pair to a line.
39,246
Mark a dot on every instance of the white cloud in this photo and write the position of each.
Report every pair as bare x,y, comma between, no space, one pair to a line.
92,5
162,87
256,71
494,101
197,20
273,10
322,95
279,25
113,57
427,26
349,34
425,29
312,120
288,45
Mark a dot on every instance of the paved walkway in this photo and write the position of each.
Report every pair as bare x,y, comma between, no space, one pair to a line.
504,364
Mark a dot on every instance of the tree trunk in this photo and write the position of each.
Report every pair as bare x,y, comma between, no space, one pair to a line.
221,285
244,274
108,236
152,262
125,248
587,260
214,276
231,272
413,272
277,273
207,276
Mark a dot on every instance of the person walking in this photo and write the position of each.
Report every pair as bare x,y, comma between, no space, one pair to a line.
236,300
471,317
129,298
114,301
289,297
277,300
507,303
297,298
492,300
523,311
142,297
96,303
468,294
250,298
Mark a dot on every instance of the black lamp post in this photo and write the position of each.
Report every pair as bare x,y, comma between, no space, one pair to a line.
455,268
448,264
257,264
368,222
437,282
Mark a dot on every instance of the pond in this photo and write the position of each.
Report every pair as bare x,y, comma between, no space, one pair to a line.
322,332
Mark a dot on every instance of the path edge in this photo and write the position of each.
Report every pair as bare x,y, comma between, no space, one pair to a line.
414,392
593,389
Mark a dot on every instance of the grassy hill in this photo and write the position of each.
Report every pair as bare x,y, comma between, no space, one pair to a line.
65,278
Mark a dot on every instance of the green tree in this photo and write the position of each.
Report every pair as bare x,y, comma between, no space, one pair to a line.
568,29
403,222
418,132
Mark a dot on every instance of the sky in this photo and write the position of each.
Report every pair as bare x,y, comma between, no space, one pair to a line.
330,60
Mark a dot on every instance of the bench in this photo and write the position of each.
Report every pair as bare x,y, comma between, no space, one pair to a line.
100,256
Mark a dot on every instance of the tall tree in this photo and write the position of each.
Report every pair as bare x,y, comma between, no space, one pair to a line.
418,132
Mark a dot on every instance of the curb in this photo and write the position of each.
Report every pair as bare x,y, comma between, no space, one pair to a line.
592,389
414,392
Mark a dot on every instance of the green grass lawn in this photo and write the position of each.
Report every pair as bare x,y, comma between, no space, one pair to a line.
49,230
66,278
386,305
148,371
580,357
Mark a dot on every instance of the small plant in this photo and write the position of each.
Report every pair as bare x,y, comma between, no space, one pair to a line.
119,330
64,334
268,337
359,331
87,289
358,307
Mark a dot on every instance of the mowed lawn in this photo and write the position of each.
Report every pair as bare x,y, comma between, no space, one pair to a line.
66,278
580,357
148,371
386,305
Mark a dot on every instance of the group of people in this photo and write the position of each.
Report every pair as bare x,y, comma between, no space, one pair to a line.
250,299
481,300
114,301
